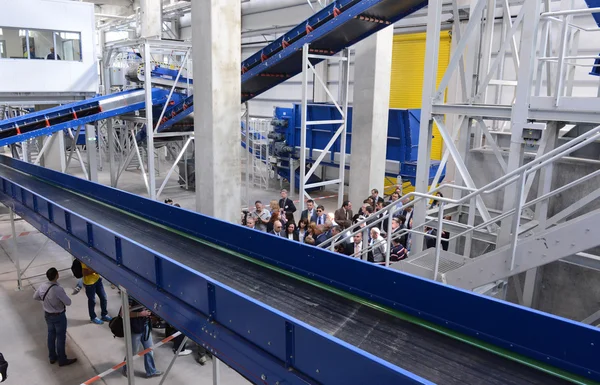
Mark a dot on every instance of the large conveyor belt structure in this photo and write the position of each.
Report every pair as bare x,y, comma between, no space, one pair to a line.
337,26
282,312
75,114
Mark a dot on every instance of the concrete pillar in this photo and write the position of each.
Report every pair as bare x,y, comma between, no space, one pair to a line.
216,30
54,156
91,152
151,18
319,94
372,75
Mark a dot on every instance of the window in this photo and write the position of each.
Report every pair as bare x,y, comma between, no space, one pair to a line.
41,44
68,44
12,45
35,44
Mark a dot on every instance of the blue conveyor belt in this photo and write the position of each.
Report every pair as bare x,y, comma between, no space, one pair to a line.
426,354
262,303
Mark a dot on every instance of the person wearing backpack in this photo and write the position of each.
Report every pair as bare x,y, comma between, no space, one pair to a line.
54,301
141,334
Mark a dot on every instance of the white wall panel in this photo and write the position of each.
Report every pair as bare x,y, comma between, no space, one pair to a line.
50,75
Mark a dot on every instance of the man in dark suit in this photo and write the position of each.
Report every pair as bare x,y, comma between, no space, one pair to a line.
320,217
343,215
276,229
430,241
310,213
288,206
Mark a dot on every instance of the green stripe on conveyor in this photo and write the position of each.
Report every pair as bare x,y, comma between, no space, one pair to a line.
404,316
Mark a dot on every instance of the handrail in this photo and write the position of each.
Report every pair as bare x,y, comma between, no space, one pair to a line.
505,180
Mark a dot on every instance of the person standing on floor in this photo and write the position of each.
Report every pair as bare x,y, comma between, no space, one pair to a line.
54,301
288,207
141,334
94,286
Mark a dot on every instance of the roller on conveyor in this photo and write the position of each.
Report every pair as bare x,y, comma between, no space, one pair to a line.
279,311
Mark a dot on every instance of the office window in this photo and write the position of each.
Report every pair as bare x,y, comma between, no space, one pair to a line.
36,44
68,45
14,44
41,44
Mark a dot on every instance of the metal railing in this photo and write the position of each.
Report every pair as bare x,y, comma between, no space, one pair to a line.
517,176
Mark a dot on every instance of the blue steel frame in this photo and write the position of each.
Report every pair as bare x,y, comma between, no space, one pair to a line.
402,140
261,343
553,340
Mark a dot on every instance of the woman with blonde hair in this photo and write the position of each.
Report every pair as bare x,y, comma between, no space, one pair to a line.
274,205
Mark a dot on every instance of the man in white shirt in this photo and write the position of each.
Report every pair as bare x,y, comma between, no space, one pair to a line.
357,245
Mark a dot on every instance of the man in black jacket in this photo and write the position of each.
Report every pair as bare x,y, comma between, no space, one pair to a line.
141,334
288,206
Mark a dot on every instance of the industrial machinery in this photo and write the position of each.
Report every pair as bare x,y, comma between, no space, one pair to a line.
284,312
402,141
281,312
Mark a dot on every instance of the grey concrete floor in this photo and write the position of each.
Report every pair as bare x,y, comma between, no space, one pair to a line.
23,335
23,332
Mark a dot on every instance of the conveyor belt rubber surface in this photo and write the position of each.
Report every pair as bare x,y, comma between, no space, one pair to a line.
433,356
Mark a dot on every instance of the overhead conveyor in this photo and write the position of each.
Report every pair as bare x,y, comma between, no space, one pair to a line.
337,26
283,312
71,115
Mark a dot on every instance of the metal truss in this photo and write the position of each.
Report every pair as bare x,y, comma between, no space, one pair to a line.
341,104
541,100
164,50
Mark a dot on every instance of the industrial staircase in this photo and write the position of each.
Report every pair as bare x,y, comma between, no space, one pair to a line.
530,244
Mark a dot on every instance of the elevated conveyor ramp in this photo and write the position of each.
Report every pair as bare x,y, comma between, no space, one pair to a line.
280,311
339,25
71,115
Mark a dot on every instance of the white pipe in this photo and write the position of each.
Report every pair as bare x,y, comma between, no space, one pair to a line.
106,16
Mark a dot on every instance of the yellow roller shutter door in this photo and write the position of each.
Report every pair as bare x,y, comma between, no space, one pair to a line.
408,61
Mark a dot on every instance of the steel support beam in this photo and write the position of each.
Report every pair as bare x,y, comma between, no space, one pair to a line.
520,111
432,47
128,341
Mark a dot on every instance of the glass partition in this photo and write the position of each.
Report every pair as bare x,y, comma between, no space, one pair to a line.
14,44
69,45
35,44
41,44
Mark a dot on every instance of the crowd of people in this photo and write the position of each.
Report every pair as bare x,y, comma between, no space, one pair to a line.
319,228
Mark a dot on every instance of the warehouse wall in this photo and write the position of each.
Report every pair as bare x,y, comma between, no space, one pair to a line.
55,15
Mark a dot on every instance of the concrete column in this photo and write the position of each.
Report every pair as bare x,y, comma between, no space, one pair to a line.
319,94
216,29
54,156
151,18
372,75
91,152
